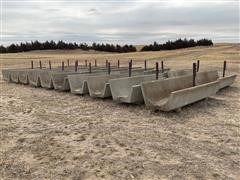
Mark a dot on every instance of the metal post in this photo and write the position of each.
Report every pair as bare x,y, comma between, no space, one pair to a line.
194,74
68,62
63,66
224,67
86,63
145,65
50,65
40,64
95,63
118,64
157,70
109,68
31,64
162,66
90,67
130,69
198,65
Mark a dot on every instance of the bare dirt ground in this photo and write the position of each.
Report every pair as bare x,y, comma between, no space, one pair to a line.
55,135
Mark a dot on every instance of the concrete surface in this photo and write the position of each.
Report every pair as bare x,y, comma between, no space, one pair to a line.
99,86
128,90
177,73
78,83
174,93
226,81
6,74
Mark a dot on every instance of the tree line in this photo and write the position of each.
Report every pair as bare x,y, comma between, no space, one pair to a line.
51,45
177,44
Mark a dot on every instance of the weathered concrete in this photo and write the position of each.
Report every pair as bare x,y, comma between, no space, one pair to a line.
226,81
128,90
99,85
6,74
60,80
78,83
12,75
174,93
177,73
46,77
34,77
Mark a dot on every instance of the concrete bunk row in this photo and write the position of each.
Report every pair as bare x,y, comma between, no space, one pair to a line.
165,90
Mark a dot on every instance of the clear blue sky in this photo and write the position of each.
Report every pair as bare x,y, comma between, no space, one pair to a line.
112,21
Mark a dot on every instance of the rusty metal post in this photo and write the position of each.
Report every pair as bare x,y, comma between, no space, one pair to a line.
194,74
63,66
198,65
162,66
109,68
157,70
145,65
50,65
31,64
224,67
95,63
130,69
86,63
118,64
40,64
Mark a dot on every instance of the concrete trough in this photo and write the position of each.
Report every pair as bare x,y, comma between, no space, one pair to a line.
79,85
12,75
128,90
99,86
54,78
226,81
46,77
62,82
173,93
181,72
6,74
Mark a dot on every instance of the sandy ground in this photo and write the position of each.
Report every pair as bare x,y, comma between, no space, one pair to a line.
55,135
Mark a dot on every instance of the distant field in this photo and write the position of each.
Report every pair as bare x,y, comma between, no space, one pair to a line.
57,135
175,58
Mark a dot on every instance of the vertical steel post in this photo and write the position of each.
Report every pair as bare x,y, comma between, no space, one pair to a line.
194,74
157,70
224,67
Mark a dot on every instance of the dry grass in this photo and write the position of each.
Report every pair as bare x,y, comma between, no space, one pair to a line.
55,135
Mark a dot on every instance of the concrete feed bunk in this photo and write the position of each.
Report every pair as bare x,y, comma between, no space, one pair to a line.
178,73
226,81
34,77
174,93
79,85
128,90
99,86
60,80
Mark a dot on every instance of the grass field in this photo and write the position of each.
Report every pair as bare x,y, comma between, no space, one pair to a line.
57,135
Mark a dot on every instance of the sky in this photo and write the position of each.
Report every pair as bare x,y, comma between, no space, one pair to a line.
119,21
